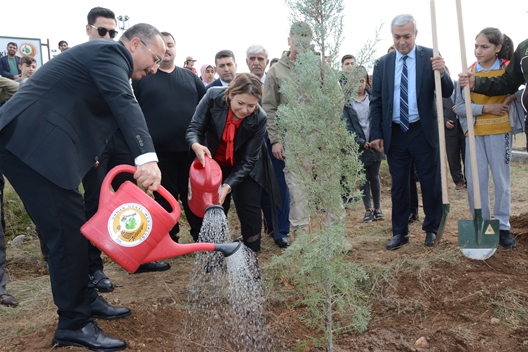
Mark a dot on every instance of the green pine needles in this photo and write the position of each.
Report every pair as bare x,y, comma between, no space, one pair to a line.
323,153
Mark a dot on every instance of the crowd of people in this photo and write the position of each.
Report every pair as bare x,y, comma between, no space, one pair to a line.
105,103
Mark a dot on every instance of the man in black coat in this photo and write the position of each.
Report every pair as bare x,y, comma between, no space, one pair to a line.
408,131
226,68
51,133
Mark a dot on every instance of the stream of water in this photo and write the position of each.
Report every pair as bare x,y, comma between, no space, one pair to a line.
226,304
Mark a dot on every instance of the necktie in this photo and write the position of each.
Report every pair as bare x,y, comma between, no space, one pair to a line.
404,103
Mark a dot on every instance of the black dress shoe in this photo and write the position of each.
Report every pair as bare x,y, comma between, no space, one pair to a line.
103,310
397,241
7,300
91,337
282,242
153,266
413,217
101,282
429,239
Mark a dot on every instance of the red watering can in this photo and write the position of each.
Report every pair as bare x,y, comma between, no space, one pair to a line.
133,229
204,185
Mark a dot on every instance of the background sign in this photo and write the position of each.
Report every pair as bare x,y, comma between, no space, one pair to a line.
26,47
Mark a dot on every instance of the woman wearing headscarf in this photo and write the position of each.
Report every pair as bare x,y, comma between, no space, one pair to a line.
207,74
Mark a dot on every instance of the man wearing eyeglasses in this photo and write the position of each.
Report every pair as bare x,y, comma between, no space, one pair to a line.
51,133
168,100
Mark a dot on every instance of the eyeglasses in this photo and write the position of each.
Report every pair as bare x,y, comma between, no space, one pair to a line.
157,59
102,31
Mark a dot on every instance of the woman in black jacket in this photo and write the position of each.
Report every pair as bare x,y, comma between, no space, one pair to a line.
357,116
229,126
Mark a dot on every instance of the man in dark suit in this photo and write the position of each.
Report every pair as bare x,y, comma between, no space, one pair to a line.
10,62
226,68
51,133
404,126
455,142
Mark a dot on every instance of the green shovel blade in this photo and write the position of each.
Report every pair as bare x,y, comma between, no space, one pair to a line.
478,238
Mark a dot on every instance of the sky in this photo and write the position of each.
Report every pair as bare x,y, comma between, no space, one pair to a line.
203,27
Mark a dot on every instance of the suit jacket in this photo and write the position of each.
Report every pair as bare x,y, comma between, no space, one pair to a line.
215,83
59,122
382,96
4,67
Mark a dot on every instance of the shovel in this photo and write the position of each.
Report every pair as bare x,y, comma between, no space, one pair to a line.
477,238
441,132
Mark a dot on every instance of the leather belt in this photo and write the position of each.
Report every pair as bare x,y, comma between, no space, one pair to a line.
411,125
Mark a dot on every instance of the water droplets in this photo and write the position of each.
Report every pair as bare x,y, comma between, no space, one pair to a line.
226,294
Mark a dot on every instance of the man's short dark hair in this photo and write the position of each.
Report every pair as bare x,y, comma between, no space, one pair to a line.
12,43
63,42
224,53
346,57
100,12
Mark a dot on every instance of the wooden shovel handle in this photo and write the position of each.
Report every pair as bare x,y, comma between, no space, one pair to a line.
469,113
440,110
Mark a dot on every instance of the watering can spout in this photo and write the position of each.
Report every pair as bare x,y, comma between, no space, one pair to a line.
228,249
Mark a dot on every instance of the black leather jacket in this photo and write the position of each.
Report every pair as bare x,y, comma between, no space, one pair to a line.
207,126
369,156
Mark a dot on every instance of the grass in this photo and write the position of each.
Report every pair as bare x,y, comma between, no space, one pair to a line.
511,307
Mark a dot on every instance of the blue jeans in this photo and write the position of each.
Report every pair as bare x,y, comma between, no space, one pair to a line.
283,215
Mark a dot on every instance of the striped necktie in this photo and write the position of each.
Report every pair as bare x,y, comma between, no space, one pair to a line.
404,102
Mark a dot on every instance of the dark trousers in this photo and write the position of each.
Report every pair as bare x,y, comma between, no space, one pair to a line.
414,190
283,216
246,197
58,214
175,168
2,186
115,153
371,185
456,154
406,148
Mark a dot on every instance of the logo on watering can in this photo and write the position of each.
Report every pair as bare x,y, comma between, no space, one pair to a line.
130,225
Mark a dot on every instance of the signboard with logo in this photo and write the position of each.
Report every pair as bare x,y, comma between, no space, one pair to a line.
25,47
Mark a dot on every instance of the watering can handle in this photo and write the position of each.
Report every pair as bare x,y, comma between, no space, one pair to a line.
207,162
207,167
107,182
